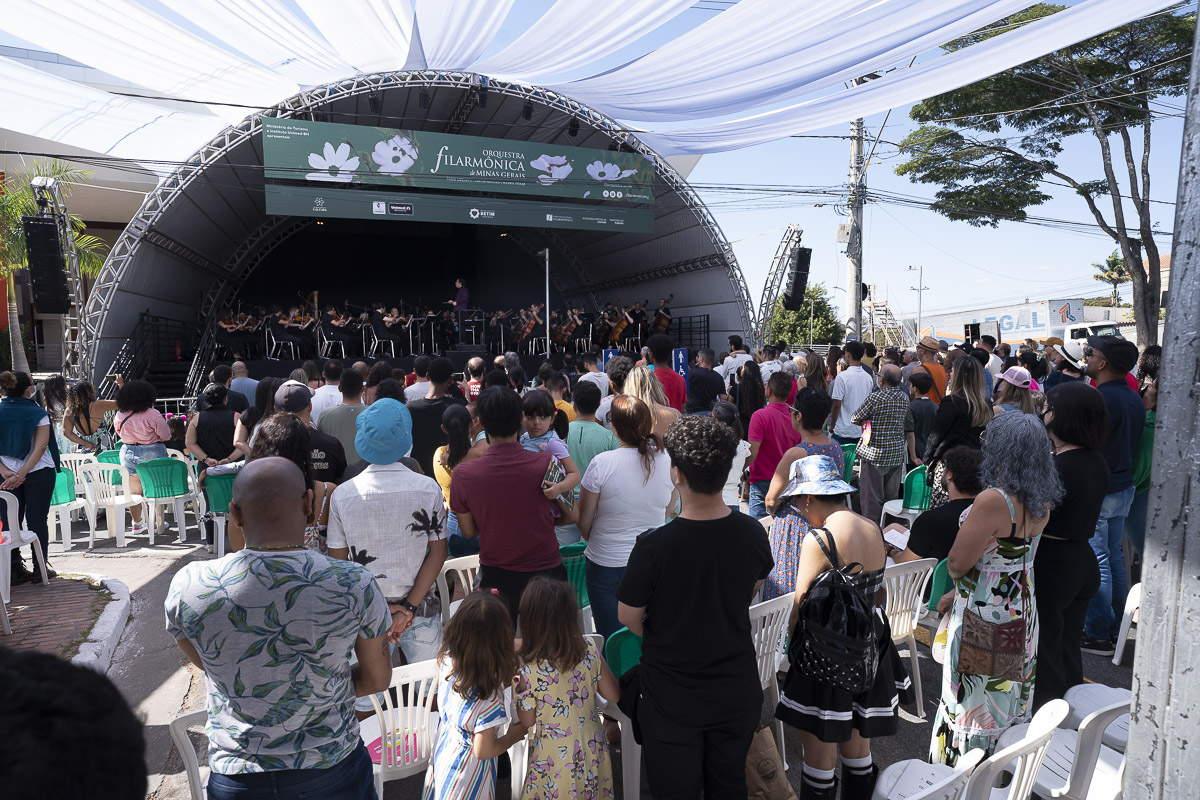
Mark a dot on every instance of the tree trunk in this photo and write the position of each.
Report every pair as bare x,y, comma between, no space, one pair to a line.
15,343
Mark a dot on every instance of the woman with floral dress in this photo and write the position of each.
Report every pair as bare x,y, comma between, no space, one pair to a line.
992,566
809,412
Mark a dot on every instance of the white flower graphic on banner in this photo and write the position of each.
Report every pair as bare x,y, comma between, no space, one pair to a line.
607,172
395,156
555,167
336,165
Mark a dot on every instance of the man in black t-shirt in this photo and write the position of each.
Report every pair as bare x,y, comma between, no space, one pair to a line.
328,457
427,433
932,534
705,387
686,591
223,374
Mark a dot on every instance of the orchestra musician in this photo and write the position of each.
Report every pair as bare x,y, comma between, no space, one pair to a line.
379,325
288,326
237,331
335,327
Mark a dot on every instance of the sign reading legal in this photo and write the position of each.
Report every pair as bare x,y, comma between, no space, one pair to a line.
335,153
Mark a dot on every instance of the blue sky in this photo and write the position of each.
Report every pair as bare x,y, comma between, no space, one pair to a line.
964,266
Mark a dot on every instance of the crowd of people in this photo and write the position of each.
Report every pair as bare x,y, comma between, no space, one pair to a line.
355,483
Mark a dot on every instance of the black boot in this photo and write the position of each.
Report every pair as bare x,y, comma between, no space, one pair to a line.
20,573
810,792
858,786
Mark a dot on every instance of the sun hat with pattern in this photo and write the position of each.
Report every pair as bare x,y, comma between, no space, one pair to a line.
815,475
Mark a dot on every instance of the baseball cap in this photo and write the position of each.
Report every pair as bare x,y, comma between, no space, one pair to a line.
384,433
1072,352
1120,353
293,397
1017,376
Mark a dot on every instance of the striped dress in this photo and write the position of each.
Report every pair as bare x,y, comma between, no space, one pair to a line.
454,771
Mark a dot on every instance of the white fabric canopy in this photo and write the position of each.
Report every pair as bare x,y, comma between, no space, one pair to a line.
96,120
572,34
762,52
370,35
123,39
454,33
933,77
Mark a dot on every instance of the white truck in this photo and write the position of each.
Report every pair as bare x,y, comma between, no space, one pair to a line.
1014,323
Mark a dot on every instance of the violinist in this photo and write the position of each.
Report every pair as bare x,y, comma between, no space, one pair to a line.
235,331
383,330
333,325
285,329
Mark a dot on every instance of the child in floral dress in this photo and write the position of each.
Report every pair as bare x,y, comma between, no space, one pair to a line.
557,686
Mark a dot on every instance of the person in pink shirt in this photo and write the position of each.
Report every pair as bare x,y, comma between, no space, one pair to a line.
771,435
142,430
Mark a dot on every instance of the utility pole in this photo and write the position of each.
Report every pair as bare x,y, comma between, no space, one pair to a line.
812,309
854,250
920,290
546,311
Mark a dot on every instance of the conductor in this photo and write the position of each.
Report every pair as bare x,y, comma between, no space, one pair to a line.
459,304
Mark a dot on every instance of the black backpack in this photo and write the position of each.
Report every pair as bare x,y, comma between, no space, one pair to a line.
838,634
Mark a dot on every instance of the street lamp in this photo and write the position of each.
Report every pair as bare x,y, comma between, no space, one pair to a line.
920,290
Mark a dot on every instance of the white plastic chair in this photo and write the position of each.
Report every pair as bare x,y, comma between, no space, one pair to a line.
465,568
905,584
1077,766
83,490
1022,759
1087,698
110,495
198,504
60,516
408,730
1133,604
14,537
191,763
943,782
768,621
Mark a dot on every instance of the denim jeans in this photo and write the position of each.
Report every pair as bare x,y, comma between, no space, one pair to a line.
350,779
602,583
1135,523
567,534
420,643
1107,605
758,498
134,454
33,508
457,544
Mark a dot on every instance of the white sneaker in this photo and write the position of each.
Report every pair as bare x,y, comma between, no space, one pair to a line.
138,527
210,548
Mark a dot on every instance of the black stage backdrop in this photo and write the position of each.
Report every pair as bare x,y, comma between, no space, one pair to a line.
363,261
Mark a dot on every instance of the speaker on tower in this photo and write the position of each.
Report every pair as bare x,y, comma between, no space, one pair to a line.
797,279
47,267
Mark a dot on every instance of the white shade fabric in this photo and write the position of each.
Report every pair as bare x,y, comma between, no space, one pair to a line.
370,35
935,76
454,33
124,39
573,34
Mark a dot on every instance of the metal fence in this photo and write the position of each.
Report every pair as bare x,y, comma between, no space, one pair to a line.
175,405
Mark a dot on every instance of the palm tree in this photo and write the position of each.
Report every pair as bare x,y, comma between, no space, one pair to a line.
16,201
1112,271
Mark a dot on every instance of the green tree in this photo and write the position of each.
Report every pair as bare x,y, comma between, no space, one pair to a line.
793,326
1006,133
17,200
1112,271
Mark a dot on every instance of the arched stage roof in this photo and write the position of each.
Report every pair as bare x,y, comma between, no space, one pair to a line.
198,237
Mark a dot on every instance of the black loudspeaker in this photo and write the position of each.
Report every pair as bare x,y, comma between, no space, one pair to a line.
47,267
797,279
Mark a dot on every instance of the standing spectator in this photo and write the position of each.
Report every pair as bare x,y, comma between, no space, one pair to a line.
264,406
393,522
732,363
625,492
242,383
593,374
771,434
1014,392
1135,523
1065,566
923,411
881,454
499,498
704,386
287,436
727,414
475,372
223,375
617,370
768,362
750,391
1070,365
933,532
339,421
257,696
328,394
427,410
928,351
832,357
328,459
673,384
815,375
868,359
420,385
586,439
995,364
685,591
380,371
909,364
456,424
642,384
142,430
991,563
556,385
28,463
1109,360
84,418
850,388
960,420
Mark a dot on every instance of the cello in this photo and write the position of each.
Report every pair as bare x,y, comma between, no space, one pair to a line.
662,319
531,323
621,324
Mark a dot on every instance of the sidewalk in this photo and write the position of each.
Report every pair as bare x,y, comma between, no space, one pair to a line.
55,618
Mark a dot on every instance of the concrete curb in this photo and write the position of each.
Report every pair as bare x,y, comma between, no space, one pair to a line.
97,651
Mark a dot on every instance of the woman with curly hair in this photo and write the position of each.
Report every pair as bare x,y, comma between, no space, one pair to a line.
84,418
984,693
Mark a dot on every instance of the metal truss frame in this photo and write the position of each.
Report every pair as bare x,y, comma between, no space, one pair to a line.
779,267
140,229
76,328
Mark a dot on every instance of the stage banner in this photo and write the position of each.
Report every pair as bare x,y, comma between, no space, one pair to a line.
334,153
325,201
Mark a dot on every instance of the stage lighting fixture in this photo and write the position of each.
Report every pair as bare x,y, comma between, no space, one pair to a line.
423,98
527,111
573,128
373,102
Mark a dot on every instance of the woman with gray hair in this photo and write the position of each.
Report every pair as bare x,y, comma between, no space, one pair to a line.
987,687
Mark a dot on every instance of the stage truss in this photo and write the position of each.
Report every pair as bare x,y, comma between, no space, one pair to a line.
779,269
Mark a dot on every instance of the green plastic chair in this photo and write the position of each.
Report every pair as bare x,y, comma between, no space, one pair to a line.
218,491
917,496
849,452
165,483
111,457
63,502
940,583
64,487
573,560
622,651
